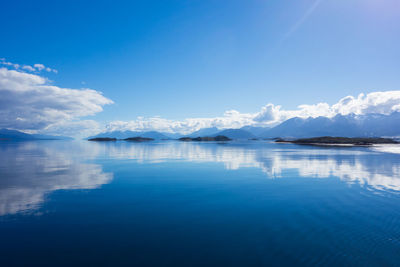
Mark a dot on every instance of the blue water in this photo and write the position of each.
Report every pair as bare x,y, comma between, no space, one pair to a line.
198,204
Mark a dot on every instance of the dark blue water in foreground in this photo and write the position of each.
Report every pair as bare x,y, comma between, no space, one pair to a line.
198,204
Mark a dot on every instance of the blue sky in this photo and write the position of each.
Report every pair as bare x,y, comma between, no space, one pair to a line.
190,59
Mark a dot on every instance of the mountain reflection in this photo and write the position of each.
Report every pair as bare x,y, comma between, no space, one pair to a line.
30,170
352,165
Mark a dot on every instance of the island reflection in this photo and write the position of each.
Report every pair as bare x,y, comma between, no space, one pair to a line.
363,165
30,171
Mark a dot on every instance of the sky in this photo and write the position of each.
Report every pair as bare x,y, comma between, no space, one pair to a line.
80,67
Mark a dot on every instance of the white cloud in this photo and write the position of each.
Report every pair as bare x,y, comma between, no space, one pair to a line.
376,102
34,68
6,63
230,119
269,115
29,102
39,67
29,68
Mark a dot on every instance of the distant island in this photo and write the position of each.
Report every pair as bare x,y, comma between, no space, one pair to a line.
139,139
218,138
329,140
102,139
131,139
324,140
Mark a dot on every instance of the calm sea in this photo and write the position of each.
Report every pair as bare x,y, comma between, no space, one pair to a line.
171,203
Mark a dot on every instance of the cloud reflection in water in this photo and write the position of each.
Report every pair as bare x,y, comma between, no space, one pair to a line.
365,166
31,170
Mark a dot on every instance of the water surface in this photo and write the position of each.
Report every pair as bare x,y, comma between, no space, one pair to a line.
198,204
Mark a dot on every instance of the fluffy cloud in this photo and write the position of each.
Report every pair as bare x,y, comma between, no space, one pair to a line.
230,119
377,102
34,68
41,67
269,115
28,68
29,102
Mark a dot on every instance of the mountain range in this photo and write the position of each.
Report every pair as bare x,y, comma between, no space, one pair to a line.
211,132
205,132
236,134
370,125
127,134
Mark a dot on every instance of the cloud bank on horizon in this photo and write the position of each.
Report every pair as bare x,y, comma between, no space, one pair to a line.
29,102
270,115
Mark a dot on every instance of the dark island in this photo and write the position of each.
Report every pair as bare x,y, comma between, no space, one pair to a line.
138,139
218,138
102,139
329,140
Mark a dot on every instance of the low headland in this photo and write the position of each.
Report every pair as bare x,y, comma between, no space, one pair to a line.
321,141
340,141
219,138
131,139
103,139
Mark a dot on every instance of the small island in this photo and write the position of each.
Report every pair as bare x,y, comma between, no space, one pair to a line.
102,139
329,140
138,139
219,138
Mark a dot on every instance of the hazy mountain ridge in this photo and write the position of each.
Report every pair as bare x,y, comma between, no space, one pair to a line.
236,134
128,134
370,125
255,130
210,132
6,134
205,132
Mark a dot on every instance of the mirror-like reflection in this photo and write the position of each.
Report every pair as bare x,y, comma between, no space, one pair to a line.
363,165
31,170
175,203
